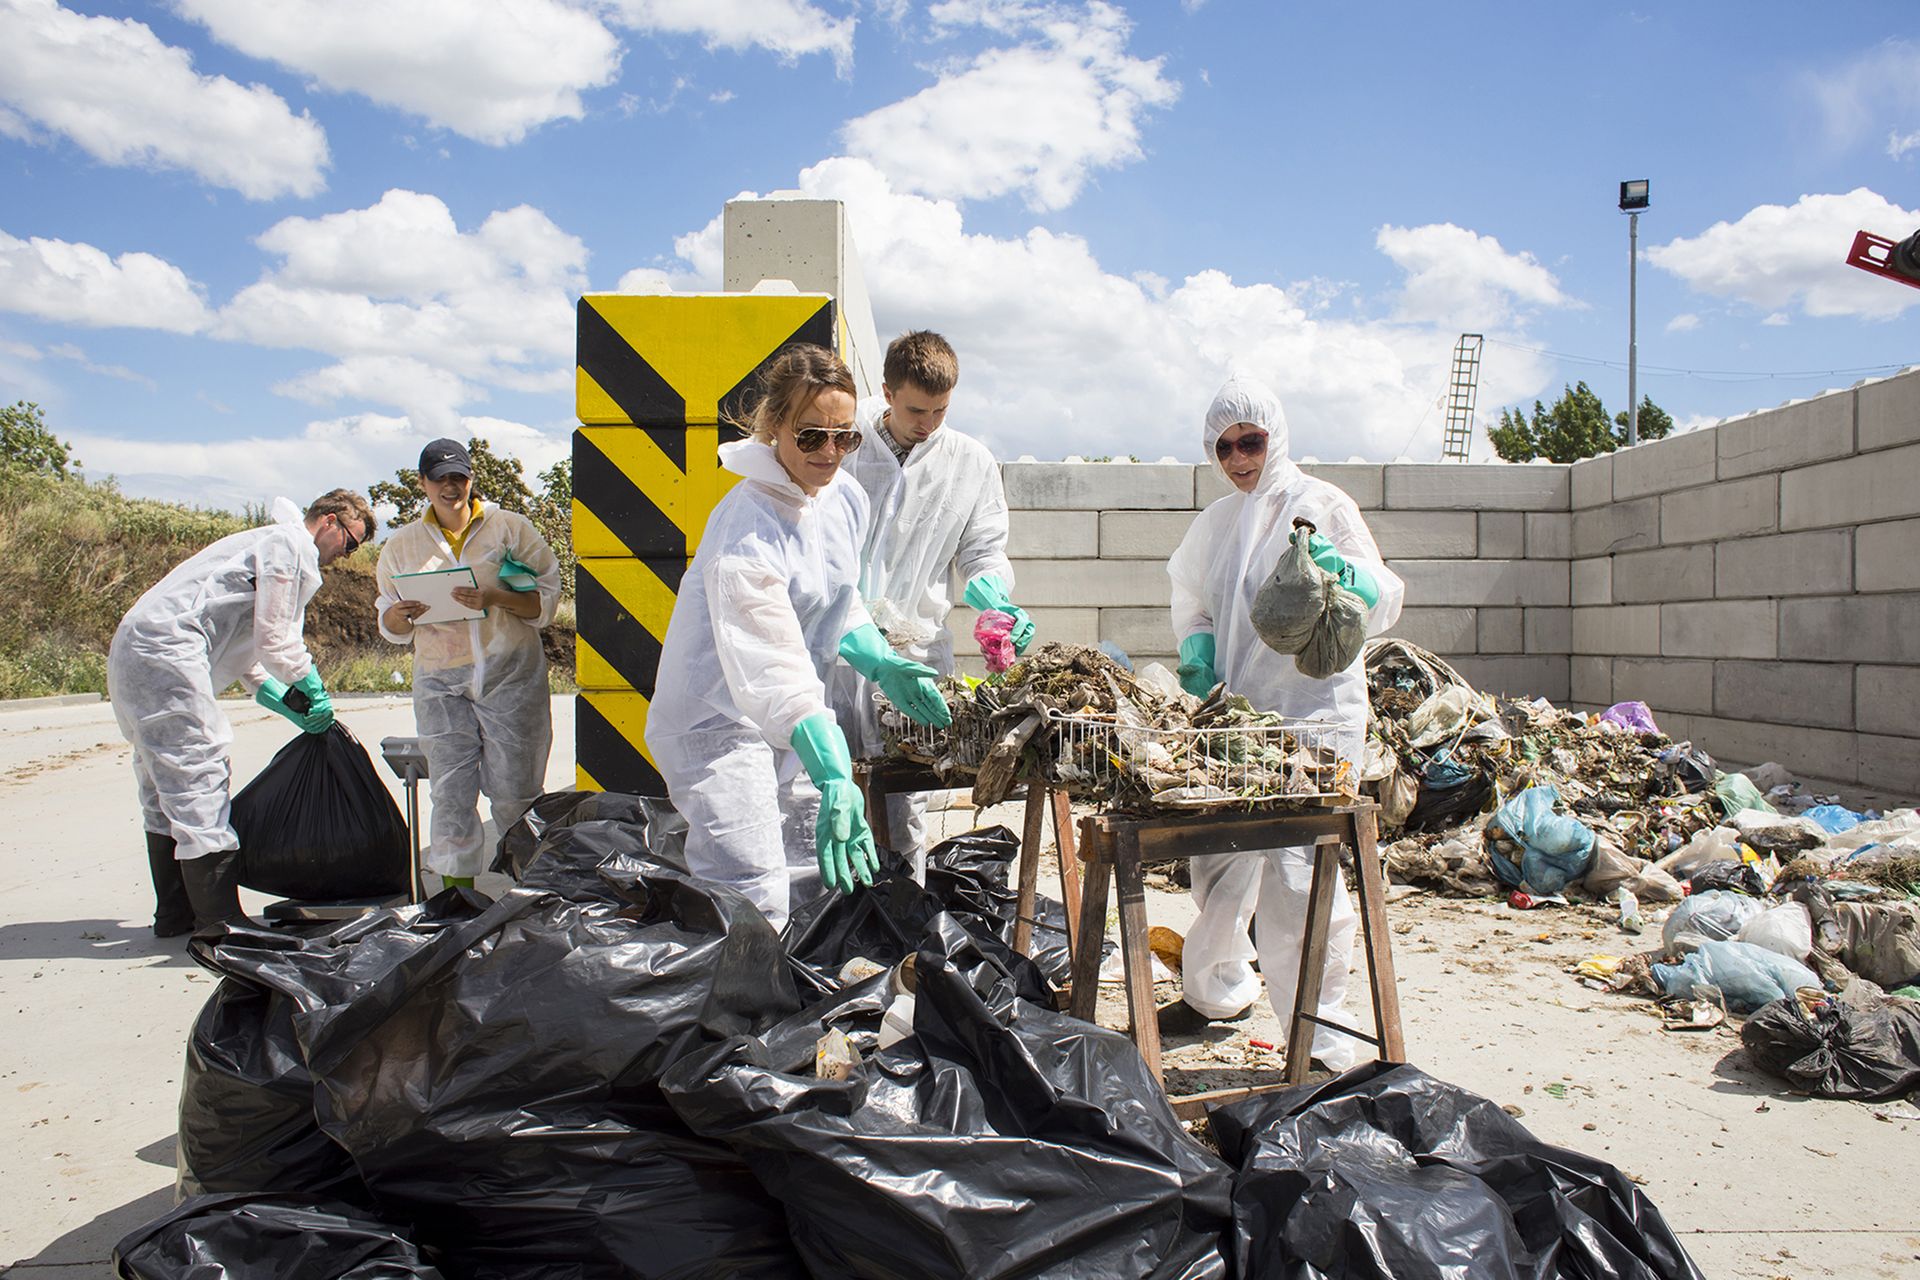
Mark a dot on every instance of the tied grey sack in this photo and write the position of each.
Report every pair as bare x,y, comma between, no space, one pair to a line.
1302,610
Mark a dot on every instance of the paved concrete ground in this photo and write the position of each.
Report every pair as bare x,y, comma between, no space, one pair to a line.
1758,1184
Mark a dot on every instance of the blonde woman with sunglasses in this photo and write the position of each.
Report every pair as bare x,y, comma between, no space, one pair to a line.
739,726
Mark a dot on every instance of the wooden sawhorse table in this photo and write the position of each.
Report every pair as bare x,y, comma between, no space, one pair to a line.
1116,845
899,777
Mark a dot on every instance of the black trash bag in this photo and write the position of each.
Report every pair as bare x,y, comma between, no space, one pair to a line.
520,843
1441,809
1728,873
250,1237
971,877
498,1088
318,823
1686,770
1861,1047
1386,1172
1000,1139
595,860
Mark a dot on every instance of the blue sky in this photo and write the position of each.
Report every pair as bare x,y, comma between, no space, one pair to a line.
262,246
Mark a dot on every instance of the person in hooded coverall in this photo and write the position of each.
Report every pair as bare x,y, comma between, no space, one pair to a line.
235,611
480,695
740,727
1228,553
937,514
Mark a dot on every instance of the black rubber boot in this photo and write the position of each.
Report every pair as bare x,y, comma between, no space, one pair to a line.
213,886
172,911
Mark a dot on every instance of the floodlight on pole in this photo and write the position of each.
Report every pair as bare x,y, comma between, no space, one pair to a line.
1633,198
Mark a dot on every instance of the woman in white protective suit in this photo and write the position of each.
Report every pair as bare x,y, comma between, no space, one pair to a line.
235,611
1219,567
739,725
480,696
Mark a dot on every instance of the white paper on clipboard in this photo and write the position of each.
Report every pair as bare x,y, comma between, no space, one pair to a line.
434,588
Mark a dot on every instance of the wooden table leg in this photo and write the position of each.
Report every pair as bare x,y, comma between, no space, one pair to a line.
1069,856
1313,961
1093,922
1379,940
875,795
1036,830
1142,1016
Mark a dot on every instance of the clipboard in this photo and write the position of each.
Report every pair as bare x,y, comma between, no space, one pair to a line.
434,588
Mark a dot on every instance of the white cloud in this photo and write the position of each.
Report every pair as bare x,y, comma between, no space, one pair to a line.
1899,144
1869,93
1459,280
117,92
789,28
1685,322
490,72
1037,118
118,372
429,396
1778,320
1777,257
80,284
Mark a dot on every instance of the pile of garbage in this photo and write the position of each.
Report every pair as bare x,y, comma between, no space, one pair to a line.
619,1069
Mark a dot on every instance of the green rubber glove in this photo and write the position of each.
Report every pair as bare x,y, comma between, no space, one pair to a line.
1353,577
319,715
273,696
909,685
988,592
1196,664
515,576
842,840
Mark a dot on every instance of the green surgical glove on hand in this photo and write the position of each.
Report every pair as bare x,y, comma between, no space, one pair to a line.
988,592
909,685
1196,664
319,715
1351,576
273,696
842,840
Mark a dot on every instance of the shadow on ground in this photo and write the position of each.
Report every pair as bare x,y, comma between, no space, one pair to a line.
89,940
91,1244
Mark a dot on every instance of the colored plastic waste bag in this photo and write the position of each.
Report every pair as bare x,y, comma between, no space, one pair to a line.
1000,1139
1785,930
1385,1173
1303,610
1736,794
1863,1045
1880,941
1532,847
258,1237
1748,976
993,632
1636,716
1833,817
1717,914
317,822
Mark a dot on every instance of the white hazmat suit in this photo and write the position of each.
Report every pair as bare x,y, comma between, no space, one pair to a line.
233,612
754,635
939,518
480,697
1219,567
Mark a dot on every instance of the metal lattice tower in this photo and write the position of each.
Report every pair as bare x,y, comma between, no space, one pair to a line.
1460,394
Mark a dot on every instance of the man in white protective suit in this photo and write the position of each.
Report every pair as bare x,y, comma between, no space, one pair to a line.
938,514
1227,555
235,611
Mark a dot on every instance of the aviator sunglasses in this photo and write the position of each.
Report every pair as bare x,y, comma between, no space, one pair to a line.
1251,445
814,439
353,543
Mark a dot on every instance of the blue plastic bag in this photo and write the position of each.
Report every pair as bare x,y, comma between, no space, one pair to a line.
1747,975
1833,818
1534,848
1715,914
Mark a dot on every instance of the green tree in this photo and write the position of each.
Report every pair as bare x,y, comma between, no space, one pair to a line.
27,446
552,515
1575,427
501,481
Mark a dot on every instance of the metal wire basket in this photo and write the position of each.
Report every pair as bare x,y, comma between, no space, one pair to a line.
1226,767
961,745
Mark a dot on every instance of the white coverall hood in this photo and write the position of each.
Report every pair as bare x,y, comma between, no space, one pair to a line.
1244,398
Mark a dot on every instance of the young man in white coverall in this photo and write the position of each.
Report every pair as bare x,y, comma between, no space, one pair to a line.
1228,553
233,612
938,514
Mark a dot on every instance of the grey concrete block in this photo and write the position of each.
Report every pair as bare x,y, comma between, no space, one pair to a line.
1501,631
1591,482
1142,535
1671,573
1365,483
1623,526
1590,680
1665,684
1720,629
1790,436
1890,412
1592,581
1812,753
1660,466
1730,509
1502,486
1090,584
1549,535
1209,486
1503,535
1139,630
1787,564
1879,629
1886,557
1053,535
1871,486
1810,693
1425,535
1097,486
1891,764
1519,677
1548,631
1484,582
1617,629
1887,700
1444,631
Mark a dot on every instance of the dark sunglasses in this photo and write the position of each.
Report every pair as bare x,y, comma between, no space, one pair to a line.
814,439
353,543
1251,445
